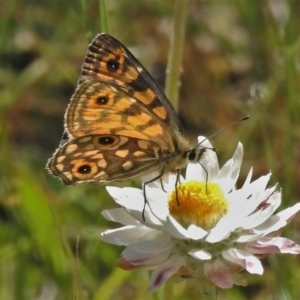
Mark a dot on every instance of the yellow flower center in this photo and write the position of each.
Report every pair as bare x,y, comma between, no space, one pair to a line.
199,203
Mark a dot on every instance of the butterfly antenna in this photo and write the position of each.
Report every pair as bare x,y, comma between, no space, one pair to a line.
224,128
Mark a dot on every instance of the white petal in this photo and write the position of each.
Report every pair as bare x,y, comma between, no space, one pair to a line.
131,198
273,223
195,172
150,176
273,245
221,231
167,182
252,195
195,233
231,169
174,229
208,165
157,203
249,262
146,217
142,259
209,160
204,142
248,179
244,202
200,254
133,201
237,162
258,185
119,215
237,216
164,271
225,171
277,221
219,274
227,166
249,238
124,236
263,214
153,243
226,184
289,212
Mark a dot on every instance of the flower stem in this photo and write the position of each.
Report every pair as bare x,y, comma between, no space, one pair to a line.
200,290
104,25
208,292
176,50
168,290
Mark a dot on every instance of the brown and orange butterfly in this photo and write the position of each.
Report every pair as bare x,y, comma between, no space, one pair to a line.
119,124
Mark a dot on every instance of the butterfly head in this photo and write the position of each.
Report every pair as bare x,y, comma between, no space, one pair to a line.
194,155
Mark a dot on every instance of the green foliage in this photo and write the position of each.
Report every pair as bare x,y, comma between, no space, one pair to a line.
239,58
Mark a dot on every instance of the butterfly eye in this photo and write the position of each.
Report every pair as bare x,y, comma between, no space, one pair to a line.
112,65
102,100
191,155
106,140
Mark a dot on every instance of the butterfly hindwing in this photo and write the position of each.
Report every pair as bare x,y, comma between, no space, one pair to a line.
103,158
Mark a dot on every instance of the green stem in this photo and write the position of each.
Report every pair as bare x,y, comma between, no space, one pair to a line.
168,290
200,290
208,292
176,50
104,25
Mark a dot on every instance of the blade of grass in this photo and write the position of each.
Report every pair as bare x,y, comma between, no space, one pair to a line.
85,20
39,219
109,286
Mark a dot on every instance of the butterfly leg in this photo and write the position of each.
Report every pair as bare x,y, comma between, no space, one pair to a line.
176,183
162,185
144,191
206,176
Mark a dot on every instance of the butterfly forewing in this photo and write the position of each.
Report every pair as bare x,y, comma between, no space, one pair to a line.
100,108
110,61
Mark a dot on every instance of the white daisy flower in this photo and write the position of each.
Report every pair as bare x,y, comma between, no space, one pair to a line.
205,228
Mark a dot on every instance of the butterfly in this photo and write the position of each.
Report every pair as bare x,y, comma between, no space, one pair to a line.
119,125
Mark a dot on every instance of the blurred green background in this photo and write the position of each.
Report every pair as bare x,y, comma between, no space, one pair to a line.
240,57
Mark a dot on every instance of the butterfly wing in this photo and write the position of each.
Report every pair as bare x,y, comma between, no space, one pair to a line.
103,158
100,108
116,99
108,60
